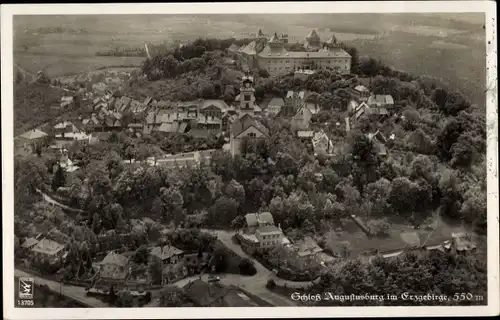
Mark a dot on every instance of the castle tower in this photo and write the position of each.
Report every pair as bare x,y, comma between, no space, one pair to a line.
284,38
247,96
331,43
313,41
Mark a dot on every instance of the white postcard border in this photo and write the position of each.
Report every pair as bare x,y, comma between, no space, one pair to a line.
7,12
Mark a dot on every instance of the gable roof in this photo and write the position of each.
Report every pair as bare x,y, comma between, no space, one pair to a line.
47,246
165,252
313,35
29,242
217,103
268,229
307,246
380,100
253,219
115,259
246,122
33,134
276,102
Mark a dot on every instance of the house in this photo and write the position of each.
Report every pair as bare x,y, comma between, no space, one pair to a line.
274,107
461,242
204,294
68,131
261,233
91,124
246,127
322,144
305,134
67,101
302,119
114,267
32,139
378,141
361,92
380,101
167,254
47,250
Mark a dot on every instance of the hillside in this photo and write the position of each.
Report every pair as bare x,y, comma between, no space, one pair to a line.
34,104
449,44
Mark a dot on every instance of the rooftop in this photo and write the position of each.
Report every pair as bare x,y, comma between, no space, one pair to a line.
246,122
33,134
268,229
28,243
165,252
115,259
254,219
47,246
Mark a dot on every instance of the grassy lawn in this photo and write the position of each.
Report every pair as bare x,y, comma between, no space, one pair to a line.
400,236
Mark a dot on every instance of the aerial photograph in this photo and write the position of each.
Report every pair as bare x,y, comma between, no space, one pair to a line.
250,160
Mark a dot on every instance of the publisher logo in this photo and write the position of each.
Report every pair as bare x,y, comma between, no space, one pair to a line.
26,286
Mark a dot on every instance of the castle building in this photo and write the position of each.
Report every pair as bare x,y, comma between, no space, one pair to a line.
276,59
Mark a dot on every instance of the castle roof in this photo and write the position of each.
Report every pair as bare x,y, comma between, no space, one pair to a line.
270,52
312,35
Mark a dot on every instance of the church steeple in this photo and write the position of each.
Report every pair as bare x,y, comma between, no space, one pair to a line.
247,96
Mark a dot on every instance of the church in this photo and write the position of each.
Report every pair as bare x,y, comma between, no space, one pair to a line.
246,126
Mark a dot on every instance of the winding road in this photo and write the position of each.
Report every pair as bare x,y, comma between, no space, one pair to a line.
255,284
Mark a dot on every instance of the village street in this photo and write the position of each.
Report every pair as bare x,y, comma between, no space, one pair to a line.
73,292
254,284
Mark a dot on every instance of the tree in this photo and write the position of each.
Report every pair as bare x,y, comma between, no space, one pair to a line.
173,203
247,267
400,197
238,223
420,142
379,228
411,118
422,167
172,298
222,212
377,193
141,255
463,152
156,271
235,191
59,179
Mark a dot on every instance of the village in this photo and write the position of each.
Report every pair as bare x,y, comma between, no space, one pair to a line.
240,264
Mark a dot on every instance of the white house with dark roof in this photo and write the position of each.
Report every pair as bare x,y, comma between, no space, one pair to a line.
261,232
246,127
47,250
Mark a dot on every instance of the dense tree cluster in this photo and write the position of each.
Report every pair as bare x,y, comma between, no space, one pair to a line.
432,273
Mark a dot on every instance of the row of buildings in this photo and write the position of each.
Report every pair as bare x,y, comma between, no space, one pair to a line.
272,55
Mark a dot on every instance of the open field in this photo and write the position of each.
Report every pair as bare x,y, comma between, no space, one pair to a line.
61,65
